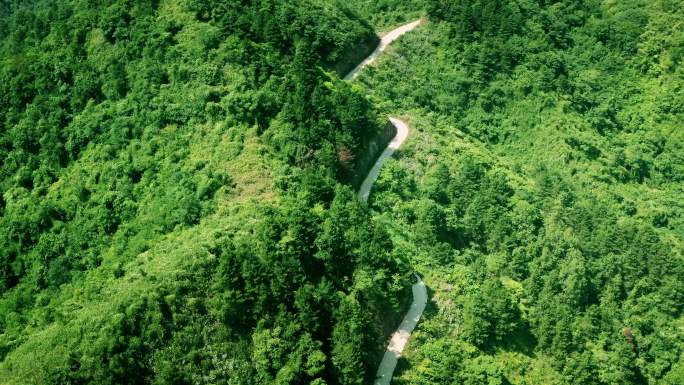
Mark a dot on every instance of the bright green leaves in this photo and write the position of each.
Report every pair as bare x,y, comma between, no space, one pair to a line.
490,316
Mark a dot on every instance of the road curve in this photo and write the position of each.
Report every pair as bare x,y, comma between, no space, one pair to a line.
403,333
397,141
384,42
401,336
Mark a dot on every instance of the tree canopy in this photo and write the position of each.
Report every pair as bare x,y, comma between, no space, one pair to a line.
540,191
171,201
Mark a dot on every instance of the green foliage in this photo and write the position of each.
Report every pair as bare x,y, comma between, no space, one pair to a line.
170,209
537,190
489,315
386,14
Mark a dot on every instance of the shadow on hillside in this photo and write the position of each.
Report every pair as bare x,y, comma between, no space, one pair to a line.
522,341
403,366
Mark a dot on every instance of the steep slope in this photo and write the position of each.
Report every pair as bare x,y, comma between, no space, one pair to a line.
541,190
400,337
170,209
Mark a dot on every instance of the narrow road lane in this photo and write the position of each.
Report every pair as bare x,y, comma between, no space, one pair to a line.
397,141
384,42
403,333
401,336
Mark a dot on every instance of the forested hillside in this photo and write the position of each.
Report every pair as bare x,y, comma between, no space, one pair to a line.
175,205
386,14
541,192
170,202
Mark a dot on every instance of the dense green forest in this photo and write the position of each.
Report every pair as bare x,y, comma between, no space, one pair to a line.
386,14
174,204
170,202
541,192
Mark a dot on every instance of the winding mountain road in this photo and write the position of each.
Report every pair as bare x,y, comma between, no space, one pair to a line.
403,333
397,141
385,41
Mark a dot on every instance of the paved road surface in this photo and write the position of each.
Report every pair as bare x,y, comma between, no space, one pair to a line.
401,336
403,333
399,138
384,42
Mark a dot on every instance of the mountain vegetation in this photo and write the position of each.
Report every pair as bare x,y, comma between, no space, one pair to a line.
541,191
170,206
175,205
